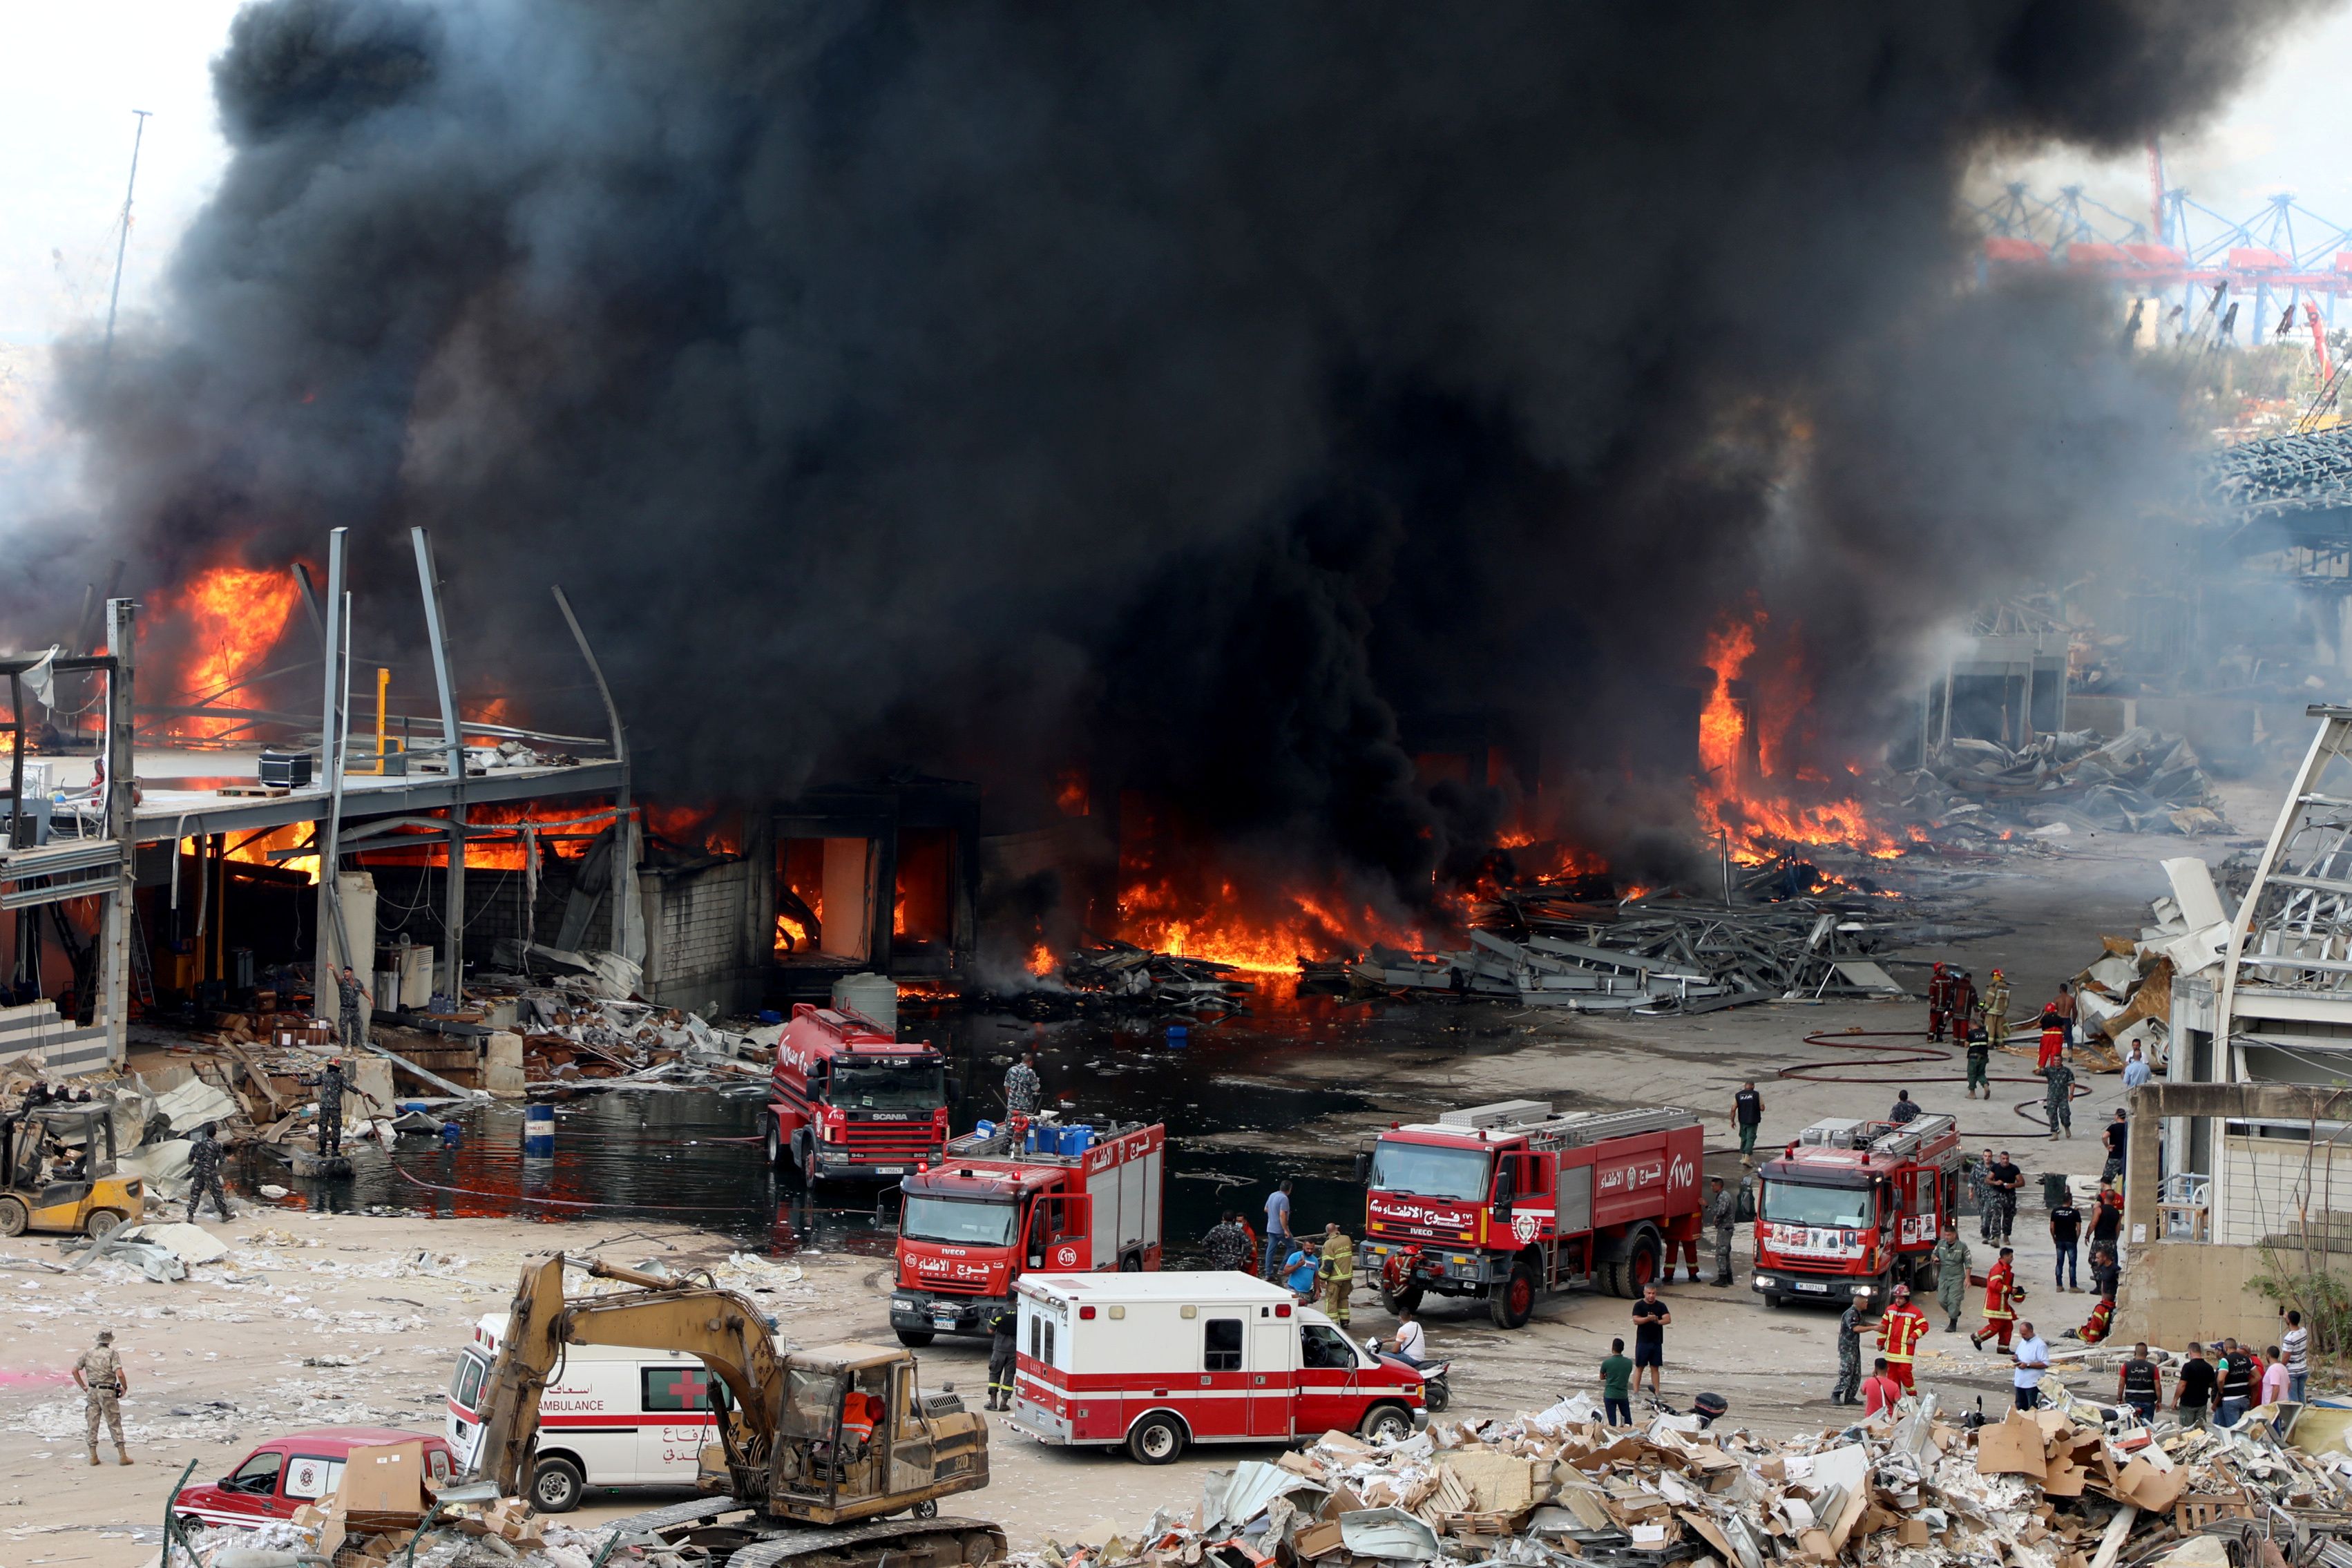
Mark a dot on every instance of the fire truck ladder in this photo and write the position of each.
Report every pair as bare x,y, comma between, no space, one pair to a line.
1902,1143
1579,1131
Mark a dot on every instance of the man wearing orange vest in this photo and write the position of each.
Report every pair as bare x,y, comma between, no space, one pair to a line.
1900,1329
2001,1301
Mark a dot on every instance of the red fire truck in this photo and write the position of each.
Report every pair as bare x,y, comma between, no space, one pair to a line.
1069,1197
846,1100
1852,1209
1506,1200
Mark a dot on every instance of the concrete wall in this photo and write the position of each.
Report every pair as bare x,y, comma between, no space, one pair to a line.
2175,1292
707,937
2281,1190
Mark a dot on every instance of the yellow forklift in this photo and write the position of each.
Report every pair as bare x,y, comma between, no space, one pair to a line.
57,1174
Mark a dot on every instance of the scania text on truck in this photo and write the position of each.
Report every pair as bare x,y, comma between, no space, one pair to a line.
1851,1209
1507,1200
848,1099
1160,1362
1069,1197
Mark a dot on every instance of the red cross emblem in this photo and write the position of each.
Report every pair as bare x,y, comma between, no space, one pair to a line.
690,1388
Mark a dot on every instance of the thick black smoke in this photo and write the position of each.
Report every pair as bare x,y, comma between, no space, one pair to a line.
1196,392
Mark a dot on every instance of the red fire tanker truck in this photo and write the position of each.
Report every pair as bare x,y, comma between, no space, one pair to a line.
848,1099
1852,1209
1066,1196
1506,1200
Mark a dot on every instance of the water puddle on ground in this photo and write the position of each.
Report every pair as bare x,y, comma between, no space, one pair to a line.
637,1161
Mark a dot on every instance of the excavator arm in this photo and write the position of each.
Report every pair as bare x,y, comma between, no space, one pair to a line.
725,1330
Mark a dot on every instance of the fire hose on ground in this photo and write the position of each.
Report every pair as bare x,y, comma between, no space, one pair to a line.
1917,1051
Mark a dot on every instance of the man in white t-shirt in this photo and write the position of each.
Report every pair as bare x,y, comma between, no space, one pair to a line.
1411,1344
2295,1347
2033,1360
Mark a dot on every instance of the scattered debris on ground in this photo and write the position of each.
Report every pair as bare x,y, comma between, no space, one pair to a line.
2076,781
1138,977
2077,1486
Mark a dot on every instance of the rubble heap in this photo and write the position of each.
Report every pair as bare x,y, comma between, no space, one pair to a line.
2125,997
1651,955
1164,980
2073,1486
2140,782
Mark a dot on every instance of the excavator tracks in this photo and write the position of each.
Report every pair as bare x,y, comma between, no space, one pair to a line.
756,1540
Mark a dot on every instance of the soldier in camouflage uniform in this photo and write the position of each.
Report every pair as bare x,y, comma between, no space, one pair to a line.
99,1374
1952,1278
203,1175
1022,1087
331,1111
2058,1100
352,996
1227,1244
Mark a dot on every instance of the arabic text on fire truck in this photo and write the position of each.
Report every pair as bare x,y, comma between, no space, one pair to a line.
848,1099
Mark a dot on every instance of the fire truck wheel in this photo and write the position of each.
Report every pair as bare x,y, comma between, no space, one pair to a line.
1385,1423
1643,1261
1613,1279
1157,1440
1513,1301
1132,1264
801,1160
1405,1301
914,1339
1772,1299
775,1138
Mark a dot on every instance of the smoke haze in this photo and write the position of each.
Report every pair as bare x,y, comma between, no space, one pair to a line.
1188,392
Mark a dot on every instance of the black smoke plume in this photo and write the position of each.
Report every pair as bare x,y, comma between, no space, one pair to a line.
1204,394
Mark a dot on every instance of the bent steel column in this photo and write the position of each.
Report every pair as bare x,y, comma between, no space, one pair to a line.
436,635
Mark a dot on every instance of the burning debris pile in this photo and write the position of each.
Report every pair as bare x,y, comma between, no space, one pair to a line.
1650,955
2140,782
2078,1486
1163,981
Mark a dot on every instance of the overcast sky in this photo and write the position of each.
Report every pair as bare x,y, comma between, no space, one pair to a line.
70,76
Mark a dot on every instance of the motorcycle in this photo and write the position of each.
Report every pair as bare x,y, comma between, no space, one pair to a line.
1435,1392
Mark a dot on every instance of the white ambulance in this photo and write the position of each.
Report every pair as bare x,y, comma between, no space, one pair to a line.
1158,1361
614,1416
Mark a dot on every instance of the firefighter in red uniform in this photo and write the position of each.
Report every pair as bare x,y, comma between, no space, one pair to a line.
2000,1302
1940,1001
2102,1320
1960,998
1900,1329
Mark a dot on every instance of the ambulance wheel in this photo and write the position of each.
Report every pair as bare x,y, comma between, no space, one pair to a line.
1405,1301
12,1217
915,1340
1512,1303
555,1486
1157,1440
1385,1423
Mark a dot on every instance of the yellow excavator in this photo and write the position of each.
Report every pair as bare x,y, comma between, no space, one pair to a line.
817,1448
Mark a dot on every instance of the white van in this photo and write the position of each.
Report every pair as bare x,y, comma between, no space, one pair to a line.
614,1416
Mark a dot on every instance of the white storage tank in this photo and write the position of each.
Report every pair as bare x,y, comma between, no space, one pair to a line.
874,997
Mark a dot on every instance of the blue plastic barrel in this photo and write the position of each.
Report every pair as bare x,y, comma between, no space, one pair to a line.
1077,1140
982,1128
1179,1037
539,1130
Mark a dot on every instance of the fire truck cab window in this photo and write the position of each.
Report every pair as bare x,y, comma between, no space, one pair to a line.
1220,1344
1426,1171
1800,1203
1323,1346
959,1221
888,1086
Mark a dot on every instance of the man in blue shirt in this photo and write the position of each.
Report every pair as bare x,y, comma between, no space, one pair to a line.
1277,1227
2136,1071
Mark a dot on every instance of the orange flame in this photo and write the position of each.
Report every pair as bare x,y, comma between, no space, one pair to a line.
237,615
1041,961
1301,925
1784,805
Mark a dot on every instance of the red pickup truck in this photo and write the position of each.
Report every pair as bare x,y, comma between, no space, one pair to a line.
284,1473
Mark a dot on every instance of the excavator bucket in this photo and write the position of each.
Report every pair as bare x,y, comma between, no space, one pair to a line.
529,1351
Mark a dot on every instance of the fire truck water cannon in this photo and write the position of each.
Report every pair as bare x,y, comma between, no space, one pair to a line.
1851,1209
1055,1195
848,1099
1509,1200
